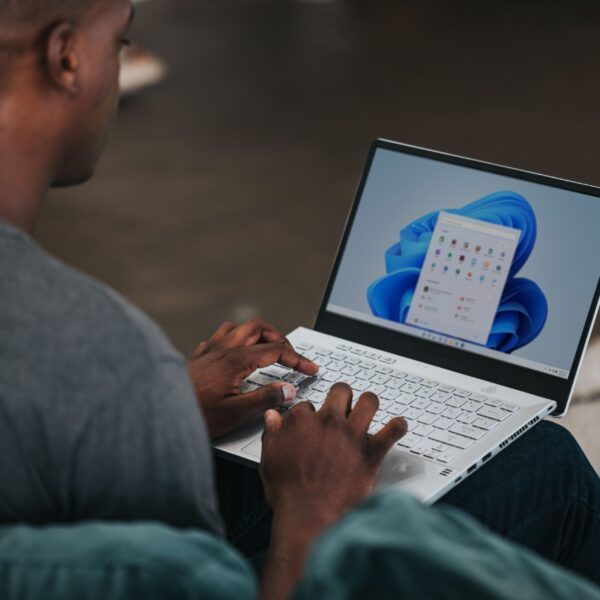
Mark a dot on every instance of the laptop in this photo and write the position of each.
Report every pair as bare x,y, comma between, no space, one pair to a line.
463,294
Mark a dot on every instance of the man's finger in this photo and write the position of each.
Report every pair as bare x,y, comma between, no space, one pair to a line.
383,441
272,422
223,331
339,400
363,412
253,332
256,402
264,355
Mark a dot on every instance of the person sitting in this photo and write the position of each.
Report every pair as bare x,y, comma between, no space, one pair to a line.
101,419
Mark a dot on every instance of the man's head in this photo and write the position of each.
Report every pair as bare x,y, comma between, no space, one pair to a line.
59,69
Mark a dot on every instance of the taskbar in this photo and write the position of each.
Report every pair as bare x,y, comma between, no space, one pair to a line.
447,341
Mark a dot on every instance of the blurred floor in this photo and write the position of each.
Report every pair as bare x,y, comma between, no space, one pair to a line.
223,192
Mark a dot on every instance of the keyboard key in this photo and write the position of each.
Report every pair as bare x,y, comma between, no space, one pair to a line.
388,360
363,374
466,417
358,351
384,404
337,365
430,453
373,355
452,439
423,430
352,360
494,402
275,371
414,379
394,384
307,381
478,397
446,457
451,412
379,378
303,346
331,376
316,397
405,398
427,418
378,416
412,413
384,370
424,393
493,413
375,428
343,347
367,364
321,386
509,407
376,388
467,431
350,369
389,394
322,361
483,423
398,374
471,406
409,440
259,379
338,356
447,389
462,393
440,396
443,423
410,388
360,385
430,383
322,351
455,401
420,403
436,408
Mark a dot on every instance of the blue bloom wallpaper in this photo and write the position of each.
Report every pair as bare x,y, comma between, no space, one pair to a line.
523,308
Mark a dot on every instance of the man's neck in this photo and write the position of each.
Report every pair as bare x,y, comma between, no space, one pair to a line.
24,167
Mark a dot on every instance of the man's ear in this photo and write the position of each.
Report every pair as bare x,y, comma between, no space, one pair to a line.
61,60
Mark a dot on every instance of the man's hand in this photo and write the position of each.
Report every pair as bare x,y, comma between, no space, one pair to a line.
315,466
219,366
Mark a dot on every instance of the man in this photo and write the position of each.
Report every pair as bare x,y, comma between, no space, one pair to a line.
98,416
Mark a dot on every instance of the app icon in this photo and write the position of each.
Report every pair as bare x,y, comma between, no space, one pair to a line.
477,248
457,271
469,274
490,251
459,307
446,269
437,252
498,268
426,289
442,239
473,261
502,254
453,243
433,265
462,298
466,245
449,254
462,258
494,282
482,278
486,264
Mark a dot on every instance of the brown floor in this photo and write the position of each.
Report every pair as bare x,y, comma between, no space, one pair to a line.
223,191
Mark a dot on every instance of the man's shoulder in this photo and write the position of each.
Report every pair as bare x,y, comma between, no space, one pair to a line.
49,304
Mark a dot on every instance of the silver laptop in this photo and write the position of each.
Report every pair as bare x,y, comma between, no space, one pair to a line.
463,294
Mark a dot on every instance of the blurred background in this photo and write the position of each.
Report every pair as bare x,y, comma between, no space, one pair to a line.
224,188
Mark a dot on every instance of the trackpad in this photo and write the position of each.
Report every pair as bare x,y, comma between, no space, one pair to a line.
254,448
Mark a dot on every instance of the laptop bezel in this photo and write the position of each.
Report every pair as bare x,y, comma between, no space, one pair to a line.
469,363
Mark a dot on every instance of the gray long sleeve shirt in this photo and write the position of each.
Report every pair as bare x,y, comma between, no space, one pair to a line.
98,418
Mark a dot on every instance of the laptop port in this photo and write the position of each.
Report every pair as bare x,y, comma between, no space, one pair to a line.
486,457
471,469
458,479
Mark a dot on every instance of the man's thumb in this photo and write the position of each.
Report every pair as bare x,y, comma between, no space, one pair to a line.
272,421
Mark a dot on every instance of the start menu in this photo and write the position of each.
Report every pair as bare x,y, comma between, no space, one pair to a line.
463,277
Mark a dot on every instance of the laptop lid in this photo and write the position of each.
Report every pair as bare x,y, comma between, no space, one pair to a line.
482,269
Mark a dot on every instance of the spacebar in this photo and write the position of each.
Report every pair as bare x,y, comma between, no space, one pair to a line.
452,439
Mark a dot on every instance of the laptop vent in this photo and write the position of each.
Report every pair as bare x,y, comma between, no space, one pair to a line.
446,472
519,432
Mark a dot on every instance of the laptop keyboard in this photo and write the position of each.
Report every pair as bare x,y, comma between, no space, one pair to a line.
443,420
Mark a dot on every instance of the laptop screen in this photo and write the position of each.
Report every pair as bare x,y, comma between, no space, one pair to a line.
485,263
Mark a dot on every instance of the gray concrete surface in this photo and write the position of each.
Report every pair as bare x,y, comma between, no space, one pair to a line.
223,191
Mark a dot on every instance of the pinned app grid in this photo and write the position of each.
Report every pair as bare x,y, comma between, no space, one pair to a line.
463,303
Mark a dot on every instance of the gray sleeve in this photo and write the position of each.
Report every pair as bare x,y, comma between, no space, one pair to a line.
144,454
